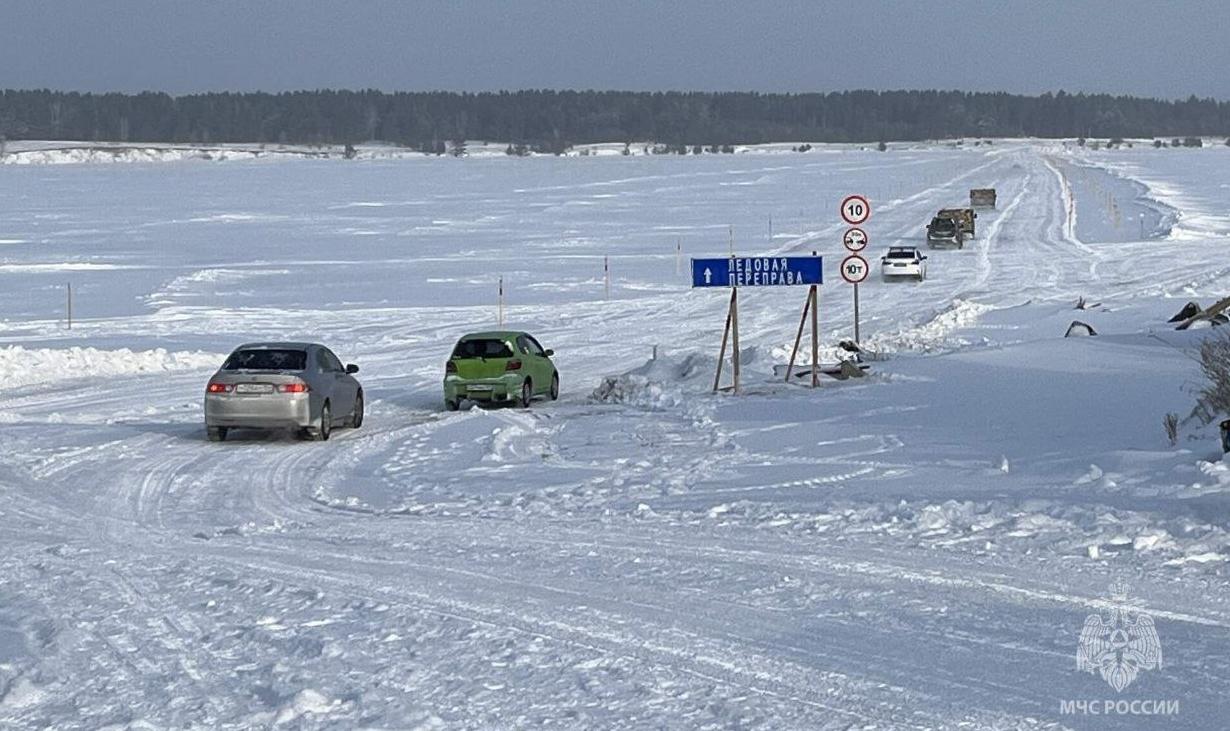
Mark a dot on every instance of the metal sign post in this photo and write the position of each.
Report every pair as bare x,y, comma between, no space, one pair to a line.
855,269
758,271
857,338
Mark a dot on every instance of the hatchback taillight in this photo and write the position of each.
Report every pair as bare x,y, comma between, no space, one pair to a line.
293,388
450,367
513,365
219,388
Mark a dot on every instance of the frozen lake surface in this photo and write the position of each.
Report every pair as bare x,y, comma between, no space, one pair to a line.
917,549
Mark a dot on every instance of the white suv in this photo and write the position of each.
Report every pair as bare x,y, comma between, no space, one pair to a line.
903,261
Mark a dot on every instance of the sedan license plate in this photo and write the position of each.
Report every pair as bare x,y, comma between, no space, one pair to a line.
254,388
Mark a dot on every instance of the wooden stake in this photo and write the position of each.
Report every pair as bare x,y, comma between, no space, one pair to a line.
798,337
500,315
70,305
606,275
811,306
717,378
814,296
734,334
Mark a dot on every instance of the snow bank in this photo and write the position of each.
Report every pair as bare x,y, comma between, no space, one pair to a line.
102,153
306,702
1027,526
27,366
78,152
664,382
933,334
22,694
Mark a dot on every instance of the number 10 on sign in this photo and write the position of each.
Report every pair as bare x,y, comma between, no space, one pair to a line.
855,210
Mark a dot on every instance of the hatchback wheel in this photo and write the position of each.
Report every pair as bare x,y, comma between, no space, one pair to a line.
527,394
216,433
554,386
451,404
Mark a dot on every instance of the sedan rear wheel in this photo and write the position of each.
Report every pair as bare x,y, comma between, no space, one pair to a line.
326,423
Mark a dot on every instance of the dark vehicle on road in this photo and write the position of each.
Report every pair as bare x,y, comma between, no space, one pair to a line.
945,231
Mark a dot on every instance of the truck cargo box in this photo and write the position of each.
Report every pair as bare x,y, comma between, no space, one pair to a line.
982,197
963,216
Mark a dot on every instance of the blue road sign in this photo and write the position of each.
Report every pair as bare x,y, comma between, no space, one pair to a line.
757,271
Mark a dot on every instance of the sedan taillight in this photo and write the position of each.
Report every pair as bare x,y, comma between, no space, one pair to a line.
293,388
219,388
513,365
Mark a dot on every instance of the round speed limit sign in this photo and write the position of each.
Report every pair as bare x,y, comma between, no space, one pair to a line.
855,210
854,269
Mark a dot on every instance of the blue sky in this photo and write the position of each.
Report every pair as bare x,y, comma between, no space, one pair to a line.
1134,47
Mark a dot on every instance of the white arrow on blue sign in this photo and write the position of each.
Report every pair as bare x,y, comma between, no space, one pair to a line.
758,271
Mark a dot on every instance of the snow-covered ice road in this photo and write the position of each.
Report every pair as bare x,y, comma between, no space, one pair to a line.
918,549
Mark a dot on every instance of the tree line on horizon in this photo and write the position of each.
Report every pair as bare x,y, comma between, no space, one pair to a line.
552,121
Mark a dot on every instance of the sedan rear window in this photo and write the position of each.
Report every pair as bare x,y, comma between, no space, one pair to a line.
482,348
907,254
266,360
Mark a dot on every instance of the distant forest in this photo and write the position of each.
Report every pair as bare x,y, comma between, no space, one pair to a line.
555,120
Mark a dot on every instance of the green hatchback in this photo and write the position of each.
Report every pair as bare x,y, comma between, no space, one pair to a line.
499,367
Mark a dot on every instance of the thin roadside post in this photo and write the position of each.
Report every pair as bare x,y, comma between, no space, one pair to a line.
814,298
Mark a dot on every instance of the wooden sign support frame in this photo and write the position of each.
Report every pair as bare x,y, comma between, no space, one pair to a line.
731,332
812,306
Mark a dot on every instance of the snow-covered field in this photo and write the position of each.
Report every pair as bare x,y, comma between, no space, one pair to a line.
917,549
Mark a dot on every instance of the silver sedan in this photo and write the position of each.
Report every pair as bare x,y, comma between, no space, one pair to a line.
300,386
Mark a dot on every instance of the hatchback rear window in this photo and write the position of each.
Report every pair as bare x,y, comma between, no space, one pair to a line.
482,348
266,360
